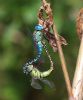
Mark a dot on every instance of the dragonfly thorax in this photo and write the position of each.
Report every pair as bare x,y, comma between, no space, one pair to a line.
37,36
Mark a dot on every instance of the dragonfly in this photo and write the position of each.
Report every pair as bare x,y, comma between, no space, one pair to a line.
29,67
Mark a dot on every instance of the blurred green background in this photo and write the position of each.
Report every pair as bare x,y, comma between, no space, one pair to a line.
17,21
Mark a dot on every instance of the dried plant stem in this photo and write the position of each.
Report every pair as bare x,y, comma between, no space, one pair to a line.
78,78
63,63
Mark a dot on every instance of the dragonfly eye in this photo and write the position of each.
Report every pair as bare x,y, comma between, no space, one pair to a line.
39,27
27,68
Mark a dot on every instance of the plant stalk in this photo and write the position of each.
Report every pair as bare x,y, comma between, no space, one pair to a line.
63,63
78,78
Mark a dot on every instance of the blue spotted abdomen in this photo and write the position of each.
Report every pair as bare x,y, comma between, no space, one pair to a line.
37,36
39,52
39,47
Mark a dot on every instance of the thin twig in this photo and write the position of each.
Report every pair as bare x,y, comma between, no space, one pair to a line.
63,63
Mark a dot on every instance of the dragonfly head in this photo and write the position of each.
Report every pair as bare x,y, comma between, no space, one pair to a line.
27,68
39,27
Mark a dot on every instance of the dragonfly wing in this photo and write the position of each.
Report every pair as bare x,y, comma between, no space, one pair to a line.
35,84
49,83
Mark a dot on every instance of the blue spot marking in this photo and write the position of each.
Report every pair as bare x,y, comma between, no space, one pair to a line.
39,27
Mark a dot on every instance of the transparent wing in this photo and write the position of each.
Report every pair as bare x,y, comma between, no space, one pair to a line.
35,84
49,83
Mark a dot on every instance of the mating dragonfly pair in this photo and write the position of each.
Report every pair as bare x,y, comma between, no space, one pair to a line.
29,67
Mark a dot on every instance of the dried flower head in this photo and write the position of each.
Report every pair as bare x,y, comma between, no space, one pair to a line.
79,23
47,23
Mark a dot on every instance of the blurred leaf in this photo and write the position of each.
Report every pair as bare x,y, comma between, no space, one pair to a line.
2,12
9,33
10,93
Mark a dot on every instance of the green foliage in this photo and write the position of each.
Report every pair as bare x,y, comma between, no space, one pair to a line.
17,20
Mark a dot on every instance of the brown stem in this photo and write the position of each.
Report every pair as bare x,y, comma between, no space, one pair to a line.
63,63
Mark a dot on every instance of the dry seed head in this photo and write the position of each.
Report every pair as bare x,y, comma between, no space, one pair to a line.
79,23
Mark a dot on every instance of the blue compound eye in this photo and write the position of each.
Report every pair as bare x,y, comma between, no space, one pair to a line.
39,27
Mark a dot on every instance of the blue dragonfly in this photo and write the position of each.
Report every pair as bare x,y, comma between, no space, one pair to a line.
29,67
